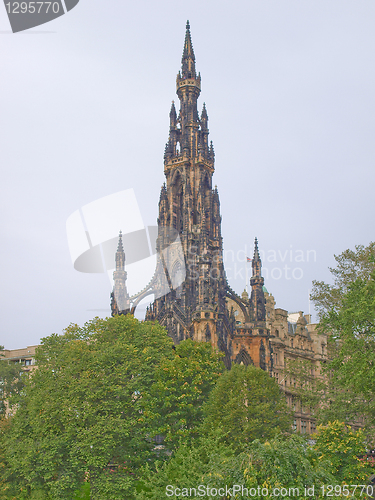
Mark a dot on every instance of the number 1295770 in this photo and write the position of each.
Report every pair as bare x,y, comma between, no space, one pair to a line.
32,7
348,490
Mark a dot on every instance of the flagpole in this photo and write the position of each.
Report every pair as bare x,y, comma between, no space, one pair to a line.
309,303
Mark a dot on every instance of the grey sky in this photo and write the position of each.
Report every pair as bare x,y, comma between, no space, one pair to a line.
289,88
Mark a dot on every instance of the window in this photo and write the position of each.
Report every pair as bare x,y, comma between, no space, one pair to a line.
27,362
303,426
294,425
294,404
312,427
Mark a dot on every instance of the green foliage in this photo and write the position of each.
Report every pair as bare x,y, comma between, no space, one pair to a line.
352,333
86,419
81,415
83,493
287,463
191,465
342,450
11,380
247,404
347,312
351,265
349,386
183,385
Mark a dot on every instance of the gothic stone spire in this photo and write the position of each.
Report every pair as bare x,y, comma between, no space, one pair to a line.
120,303
188,57
258,302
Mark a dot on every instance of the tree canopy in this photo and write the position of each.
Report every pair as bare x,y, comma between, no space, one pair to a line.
351,330
347,316
183,385
343,451
287,462
91,410
351,265
247,404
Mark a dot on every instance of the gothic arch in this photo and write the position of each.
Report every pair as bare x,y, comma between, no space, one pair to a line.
244,357
177,176
178,275
231,295
178,190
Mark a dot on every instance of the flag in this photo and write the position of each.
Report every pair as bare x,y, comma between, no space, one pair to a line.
248,259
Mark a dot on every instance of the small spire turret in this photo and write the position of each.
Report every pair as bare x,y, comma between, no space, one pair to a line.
120,302
258,302
204,115
172,116
211,152
188,57
256,263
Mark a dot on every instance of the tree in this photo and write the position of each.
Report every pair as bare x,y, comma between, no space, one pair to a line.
351,265
100,395
81,414
247,404
351,330
347,316
191,465
182,387
207,463
343,450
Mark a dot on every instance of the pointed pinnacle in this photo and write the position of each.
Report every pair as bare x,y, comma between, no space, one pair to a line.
256,251
204,112
163,193
188,57
120,248
188,46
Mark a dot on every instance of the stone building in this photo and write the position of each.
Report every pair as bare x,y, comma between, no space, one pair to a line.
192,297
25,357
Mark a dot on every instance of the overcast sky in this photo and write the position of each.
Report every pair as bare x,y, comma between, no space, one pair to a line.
85,100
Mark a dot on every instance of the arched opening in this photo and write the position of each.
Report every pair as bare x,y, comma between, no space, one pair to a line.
178,202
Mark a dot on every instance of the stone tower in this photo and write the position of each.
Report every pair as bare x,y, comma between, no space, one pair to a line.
189,209
192,297
120,302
